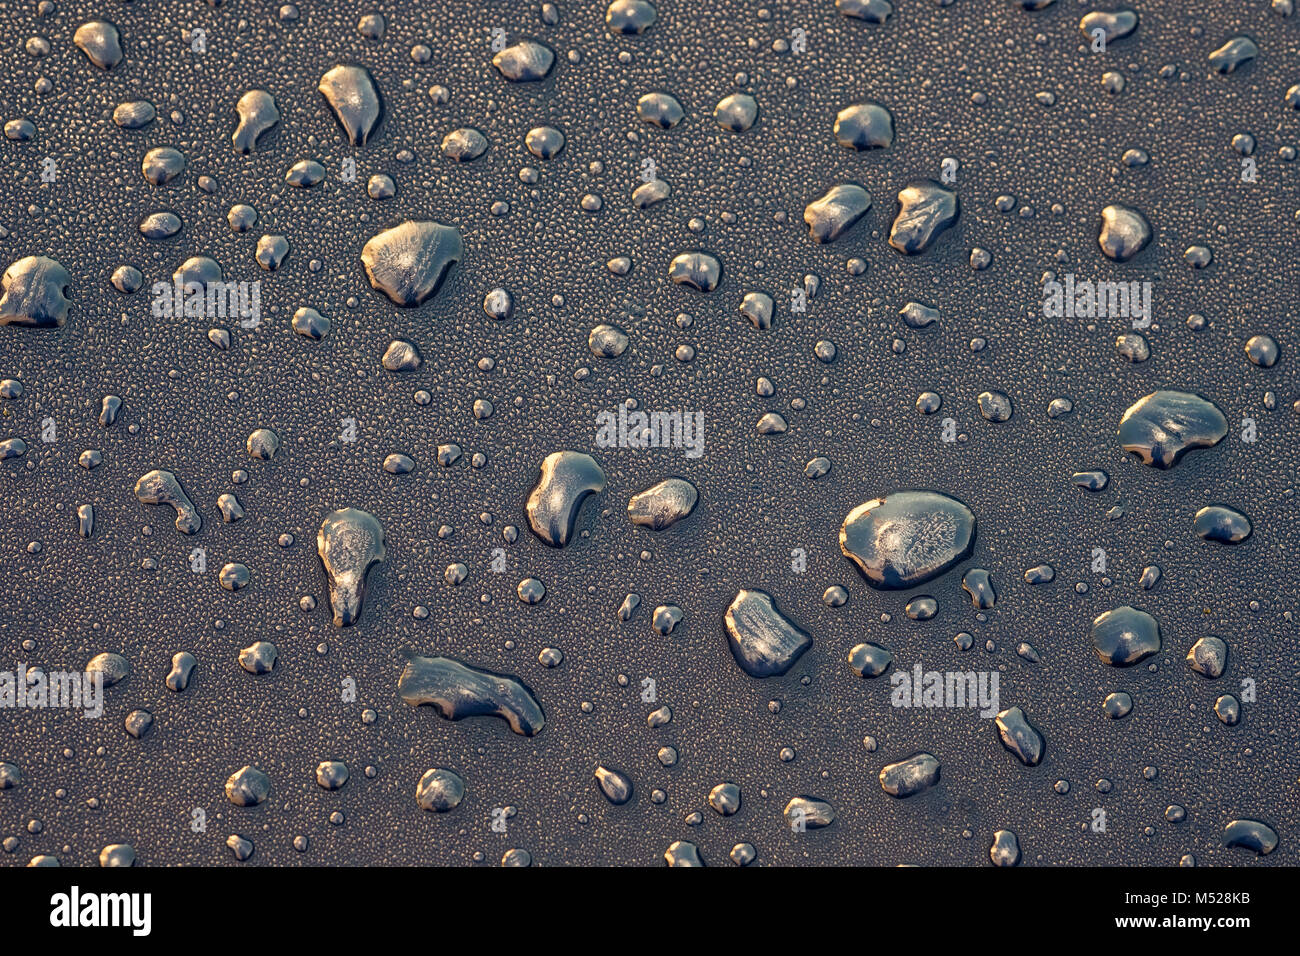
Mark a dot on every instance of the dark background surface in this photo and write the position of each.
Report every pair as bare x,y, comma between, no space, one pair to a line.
189,408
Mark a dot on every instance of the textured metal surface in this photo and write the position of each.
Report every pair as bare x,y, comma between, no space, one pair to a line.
189,408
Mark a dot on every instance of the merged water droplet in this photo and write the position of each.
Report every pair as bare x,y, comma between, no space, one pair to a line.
524,62
136,114
834,213
310,323
1162,427
864,126
907,778
919,316
350,543
1208,657
1250,835
1113,24
1222,524
994,406
1124,232
764,642
117,855
457,691
182,669
808,813
352,95
696,270
257,114
161,165
262,444
1237,52
682,853
112,668
630,17
409,261
101,43
159,487
259,657
660,109
567,478
607,341
463,145
160,225
35,293
925,209
758,307
305,173
248,787
1020,736
1005,850
979,585
872,11
907,537
663,504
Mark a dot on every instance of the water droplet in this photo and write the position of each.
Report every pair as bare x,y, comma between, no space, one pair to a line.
248,787
616,787
1005,850
630,17
100,42
864,126
1114,24
35,290
1124,232
1237,52
457,691
1125,636
907,537
409,261
869,660
736,113
524,62
925,209
834,213
1223,524
350,543
763,641
1020,736
662,505
257,114
160,487
1163,426
695,270
909,777
810,813
352,95
1250,835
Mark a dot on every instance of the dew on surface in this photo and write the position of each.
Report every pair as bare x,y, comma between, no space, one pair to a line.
465,244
